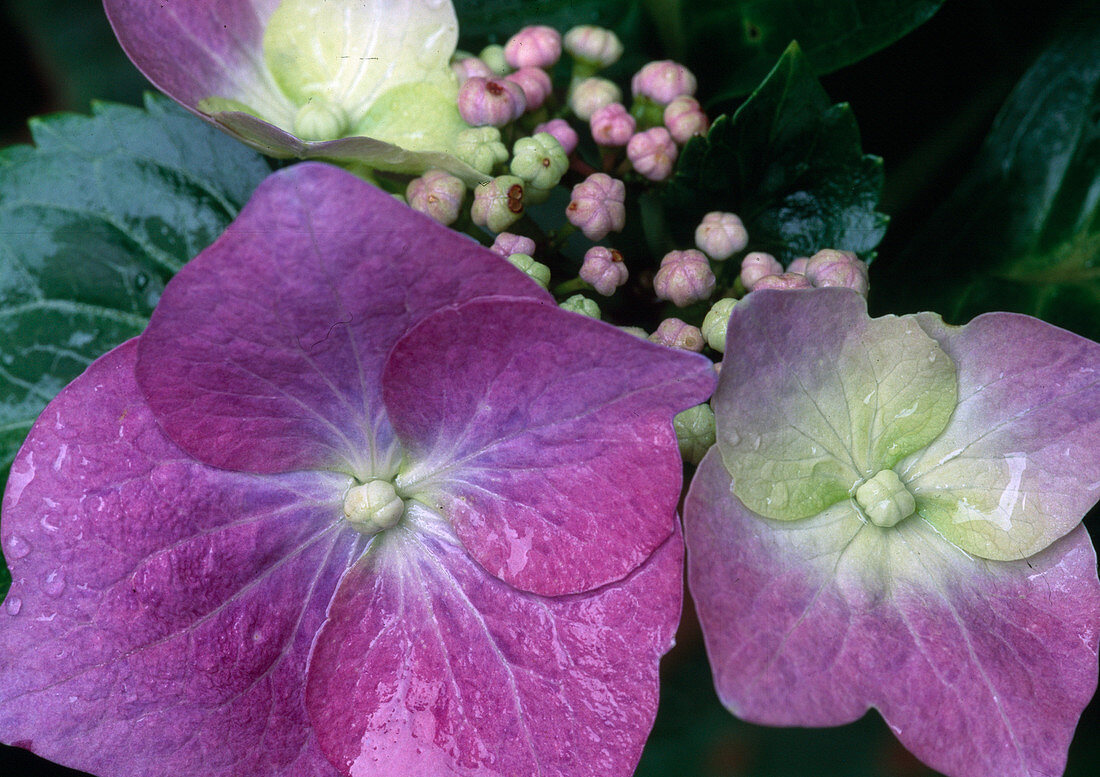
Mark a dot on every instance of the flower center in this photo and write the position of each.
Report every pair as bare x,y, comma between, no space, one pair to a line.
373,507
885,499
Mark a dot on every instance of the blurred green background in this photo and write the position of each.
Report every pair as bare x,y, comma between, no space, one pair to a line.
924,104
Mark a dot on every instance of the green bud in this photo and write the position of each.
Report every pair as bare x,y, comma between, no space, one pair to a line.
373,507
885,499
481,148
716,322
536,271
498,204
539,160
493,56
579,303
694,432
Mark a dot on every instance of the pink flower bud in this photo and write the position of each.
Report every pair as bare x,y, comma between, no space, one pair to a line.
507,244
678,334
591,94
756,265
721,235
498,203
597,206
663,81
534,46
684,119
595,45
437,194
535,84
490,101
653,153
469,67
604,269
612,126
799,265
837,268
560,130
788,281
684,277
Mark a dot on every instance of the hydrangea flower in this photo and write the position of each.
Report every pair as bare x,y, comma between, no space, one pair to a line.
891,519
211,575
365,81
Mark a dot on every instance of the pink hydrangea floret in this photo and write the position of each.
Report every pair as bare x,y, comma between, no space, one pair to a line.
604,268
720,235
507,243
756,265
562,132
612,125
491,102
437,194
535,83
684,277
597,206
663,81
534,46
652,153
684,119
831,267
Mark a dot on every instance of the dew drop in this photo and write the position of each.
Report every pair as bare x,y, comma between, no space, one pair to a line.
54,583
17,547
13,605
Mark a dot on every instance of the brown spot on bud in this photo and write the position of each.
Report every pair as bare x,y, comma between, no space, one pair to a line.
546,161
495,89
515,198
616,256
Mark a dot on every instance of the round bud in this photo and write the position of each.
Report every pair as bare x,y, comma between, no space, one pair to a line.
685,119
536,271
481,148
498,204
493,56
685,277
837,268
663,81
590,94
373,507
612,126
695,432
885,499
595,46
757,265
678,334
597,206
721,235
717,322
604,268
437,194
562,132
535,84
579,303
652,153
799,265
539,160
534,46
507,244
468,67
788,281
490,102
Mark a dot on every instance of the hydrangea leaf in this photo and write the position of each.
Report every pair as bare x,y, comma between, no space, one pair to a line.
534,451
280,330
162,611
819,397
789,162
96,218
974,664
1026,217
751,34
485,21
469,675
252,65
1018,464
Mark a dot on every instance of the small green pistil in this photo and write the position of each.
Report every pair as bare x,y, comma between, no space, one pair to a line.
885,499
321,119
373,507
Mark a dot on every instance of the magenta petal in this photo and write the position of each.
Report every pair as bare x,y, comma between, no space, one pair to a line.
469,676
980,668
545,437
161,612
265,353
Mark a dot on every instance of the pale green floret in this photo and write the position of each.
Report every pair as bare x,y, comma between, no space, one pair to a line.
717,322
540,160
885,499
536,271
579,303
481,148
694,432
373,507
320,119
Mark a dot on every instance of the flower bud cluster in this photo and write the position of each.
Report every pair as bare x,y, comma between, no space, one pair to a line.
826,268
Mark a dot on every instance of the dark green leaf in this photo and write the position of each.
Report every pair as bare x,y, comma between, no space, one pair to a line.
494,21
733,43
94,220
1022,232
789,163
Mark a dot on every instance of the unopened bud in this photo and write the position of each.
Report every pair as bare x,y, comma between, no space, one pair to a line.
493,56
757,265
535,84
685,277
539,160
695,432
663,81
721,235
507,244
597,206
373,507
604,268
498,204
674,333
590,94
469,67
685,119
534,46
837,268
788,281
481,148
536,271
595,46
562,132
652,153
612,126
717,322
490,102
437,194
579,303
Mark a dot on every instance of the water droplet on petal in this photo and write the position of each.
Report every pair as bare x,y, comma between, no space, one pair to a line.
17,547
54,583
13,605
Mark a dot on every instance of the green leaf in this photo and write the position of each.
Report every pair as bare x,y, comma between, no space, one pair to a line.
485,21
733,43
789,163
94,220
1022,232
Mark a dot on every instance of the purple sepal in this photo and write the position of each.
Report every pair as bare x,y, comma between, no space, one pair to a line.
979,667
265,351
430,667
530,428
161,612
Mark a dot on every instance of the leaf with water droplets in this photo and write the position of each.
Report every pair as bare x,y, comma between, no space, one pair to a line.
96,218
